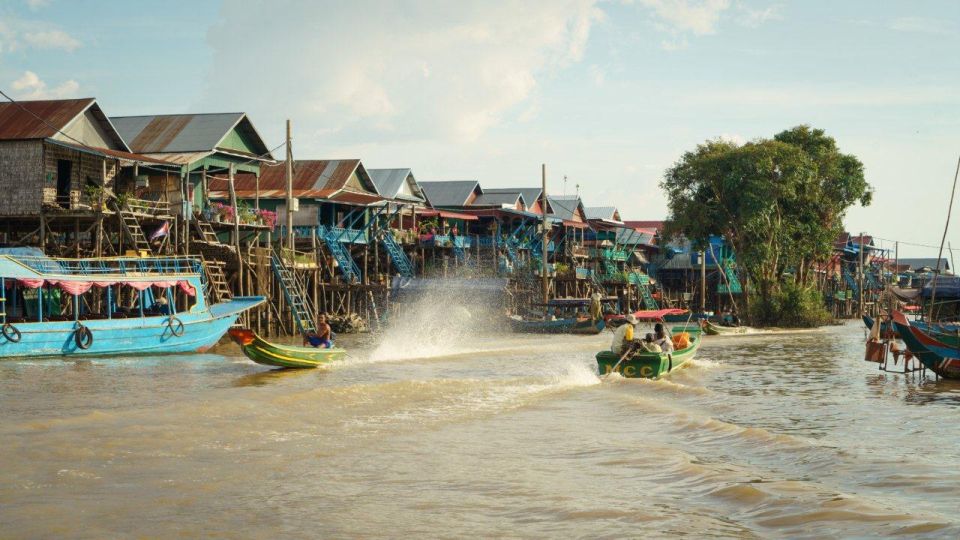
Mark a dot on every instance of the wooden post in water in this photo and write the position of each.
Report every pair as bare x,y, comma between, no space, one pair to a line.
703,281
290,241
236,229
946,226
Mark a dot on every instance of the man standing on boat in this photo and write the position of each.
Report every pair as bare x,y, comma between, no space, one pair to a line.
595,307
623,336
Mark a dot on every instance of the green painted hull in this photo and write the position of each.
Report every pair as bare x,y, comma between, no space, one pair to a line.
287,356
648,365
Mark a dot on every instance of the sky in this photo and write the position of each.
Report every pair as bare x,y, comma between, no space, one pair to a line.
608,94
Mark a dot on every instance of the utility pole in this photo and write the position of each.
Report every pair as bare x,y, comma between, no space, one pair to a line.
546,234
703,282
860,277
290,239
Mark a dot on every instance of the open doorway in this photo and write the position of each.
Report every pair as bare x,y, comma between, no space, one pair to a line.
64,171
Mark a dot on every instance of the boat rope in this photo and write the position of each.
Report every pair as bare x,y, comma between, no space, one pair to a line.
176,326
11,333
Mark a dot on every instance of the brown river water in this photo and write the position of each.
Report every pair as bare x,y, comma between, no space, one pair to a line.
447,433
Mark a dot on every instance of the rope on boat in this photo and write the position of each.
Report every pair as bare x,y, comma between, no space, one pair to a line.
11,333
176,326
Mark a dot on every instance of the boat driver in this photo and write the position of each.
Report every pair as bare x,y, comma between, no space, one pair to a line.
623,336
322,337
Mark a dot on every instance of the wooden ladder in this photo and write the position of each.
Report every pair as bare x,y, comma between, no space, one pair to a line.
132,227
217,280
205,230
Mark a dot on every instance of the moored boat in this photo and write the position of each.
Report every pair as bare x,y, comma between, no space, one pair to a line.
93,321
649,365
558,326
937,356
266,353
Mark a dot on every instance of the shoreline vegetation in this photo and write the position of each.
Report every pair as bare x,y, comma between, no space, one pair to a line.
780,203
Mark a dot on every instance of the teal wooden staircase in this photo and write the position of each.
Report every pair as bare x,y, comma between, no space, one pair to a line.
294,293
732,286
642,281
851,282
345,263
400,260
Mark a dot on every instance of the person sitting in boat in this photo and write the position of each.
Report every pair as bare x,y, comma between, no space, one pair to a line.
322,338
623,336
160,307
595,301
648,344
662,338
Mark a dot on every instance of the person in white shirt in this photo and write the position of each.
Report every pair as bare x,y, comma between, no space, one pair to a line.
623,336
662,338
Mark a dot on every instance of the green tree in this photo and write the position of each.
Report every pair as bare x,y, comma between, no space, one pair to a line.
778,202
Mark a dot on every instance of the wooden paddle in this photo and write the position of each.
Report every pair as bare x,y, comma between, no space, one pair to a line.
622,358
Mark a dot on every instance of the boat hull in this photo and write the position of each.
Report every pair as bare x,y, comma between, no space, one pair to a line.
647,365
131,336
939,357
560,326
716,330
265,353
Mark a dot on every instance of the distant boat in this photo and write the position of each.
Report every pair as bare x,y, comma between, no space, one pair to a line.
557,326
263,352
718,330
96,325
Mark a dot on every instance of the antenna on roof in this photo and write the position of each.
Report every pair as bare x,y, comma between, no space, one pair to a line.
564,185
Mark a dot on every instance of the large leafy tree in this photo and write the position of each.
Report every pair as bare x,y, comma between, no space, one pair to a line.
779,202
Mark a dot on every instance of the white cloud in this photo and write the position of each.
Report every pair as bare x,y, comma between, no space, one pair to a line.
30,86
51,39
756,17
37,4
425,69
924,25
698,18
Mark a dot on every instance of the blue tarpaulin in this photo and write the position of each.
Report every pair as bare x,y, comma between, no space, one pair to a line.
947,287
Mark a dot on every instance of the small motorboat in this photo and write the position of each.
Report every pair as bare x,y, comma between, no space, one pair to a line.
263,352
718,330
559,326
649,365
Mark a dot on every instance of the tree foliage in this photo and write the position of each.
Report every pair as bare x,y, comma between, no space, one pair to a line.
779,202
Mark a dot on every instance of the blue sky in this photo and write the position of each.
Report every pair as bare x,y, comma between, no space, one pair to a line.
608,94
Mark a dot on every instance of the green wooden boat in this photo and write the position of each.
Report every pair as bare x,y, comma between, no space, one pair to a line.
263,352
649,365
716,330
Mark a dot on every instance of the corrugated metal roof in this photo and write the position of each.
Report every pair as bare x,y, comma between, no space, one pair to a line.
498,199
313,179
107,152
449,192
184,158
390,182
655,225
564,208
530,195
601,212
183,133
930,262
17,123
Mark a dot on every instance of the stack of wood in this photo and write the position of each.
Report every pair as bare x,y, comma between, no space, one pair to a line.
348,324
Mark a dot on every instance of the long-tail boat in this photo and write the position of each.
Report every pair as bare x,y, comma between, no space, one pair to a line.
937,356
114,306
263,352
558,326
649,365
717,330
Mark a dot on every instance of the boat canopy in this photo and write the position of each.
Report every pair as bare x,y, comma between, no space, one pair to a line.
657,314
77,276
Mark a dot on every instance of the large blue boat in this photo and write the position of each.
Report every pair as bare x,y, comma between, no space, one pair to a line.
109,306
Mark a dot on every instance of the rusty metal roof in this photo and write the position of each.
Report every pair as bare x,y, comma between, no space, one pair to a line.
107,152
185,133
17,122
312,179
